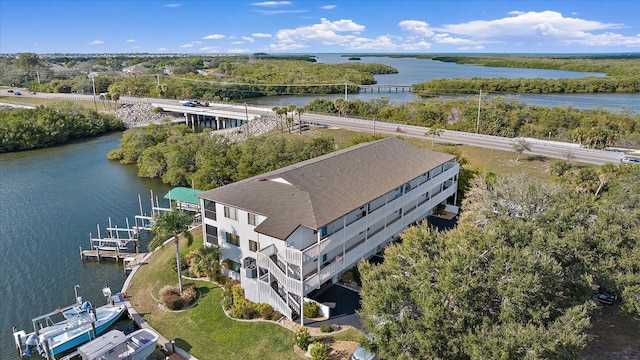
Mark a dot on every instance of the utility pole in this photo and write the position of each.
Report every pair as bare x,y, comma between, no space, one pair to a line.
92,75
478,121
345,92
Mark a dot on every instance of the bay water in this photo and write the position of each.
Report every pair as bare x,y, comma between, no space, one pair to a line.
412,71
50,200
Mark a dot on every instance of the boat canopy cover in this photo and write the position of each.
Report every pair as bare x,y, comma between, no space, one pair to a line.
183,194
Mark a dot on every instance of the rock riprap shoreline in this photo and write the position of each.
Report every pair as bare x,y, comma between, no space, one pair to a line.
136,115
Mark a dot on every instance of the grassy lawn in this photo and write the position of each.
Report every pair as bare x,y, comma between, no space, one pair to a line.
19,100
204,330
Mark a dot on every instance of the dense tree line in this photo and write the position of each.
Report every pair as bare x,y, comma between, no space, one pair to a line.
25,129
205,161
595,128
622,75
528,86
514,279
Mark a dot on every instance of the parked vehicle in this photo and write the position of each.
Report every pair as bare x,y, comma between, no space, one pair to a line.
17,93
630,159
10,91
362,354
605,298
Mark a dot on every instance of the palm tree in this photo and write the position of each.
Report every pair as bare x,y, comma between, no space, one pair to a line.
300,110
206,261
520,146
605,173
172,223
433,132
107,97
115,97
278,111
102,99
291,108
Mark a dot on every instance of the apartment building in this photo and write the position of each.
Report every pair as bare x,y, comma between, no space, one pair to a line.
286,232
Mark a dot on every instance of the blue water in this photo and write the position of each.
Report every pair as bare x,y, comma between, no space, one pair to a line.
412,71
51,200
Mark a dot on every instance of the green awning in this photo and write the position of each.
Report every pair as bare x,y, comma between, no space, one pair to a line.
184,194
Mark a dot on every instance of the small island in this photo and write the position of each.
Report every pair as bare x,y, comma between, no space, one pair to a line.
354,58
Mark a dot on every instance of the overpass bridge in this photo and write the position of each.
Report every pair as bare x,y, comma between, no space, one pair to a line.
217,116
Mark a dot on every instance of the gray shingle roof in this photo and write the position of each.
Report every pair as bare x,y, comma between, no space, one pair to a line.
315,192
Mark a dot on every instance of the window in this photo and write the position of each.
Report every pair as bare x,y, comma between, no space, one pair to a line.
251,219
253,245
231,213
210,210
212,235
233,239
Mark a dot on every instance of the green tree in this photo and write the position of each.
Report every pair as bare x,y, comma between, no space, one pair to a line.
433,132
300,110
205,261
520,146
172,224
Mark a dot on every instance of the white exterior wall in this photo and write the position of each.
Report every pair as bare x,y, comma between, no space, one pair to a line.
377,228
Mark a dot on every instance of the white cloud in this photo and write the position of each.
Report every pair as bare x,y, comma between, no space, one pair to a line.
519,29
96,42
327,32
248,39
172,5
186,45
447,39
162,49
528,25
238,51
131,41
261,35
328,7
420,28
214,37
272,3
210,49
137,47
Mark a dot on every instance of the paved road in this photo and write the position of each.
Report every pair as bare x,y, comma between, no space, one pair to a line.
545,148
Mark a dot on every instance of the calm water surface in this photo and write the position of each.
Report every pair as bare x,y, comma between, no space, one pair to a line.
412,71
50,200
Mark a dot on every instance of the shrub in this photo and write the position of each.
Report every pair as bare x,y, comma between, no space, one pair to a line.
173,265
302,337
266,312
157,109
275,315
170,298
189,294
325,328
318,351
221,279
248,312
311,309
227,299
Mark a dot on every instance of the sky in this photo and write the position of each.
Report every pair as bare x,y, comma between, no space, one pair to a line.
311,26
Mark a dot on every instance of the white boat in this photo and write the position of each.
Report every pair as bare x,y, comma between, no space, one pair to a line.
65,329
115,345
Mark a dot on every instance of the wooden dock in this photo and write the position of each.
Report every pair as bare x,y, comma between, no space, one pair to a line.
114,254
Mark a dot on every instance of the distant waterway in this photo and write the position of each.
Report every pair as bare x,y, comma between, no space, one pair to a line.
50,200
412,71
